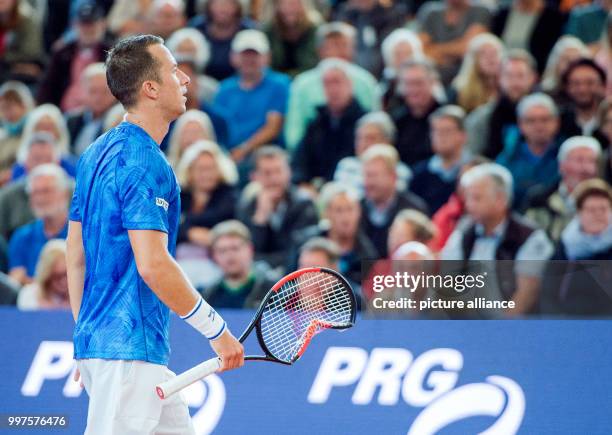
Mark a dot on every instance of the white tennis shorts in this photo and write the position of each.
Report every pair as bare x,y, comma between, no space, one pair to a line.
123,401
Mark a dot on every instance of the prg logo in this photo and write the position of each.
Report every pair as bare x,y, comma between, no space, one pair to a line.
395,373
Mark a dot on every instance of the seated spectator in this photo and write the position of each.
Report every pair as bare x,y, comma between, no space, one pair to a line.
497,234
493,126
334,40
164,17
584,84
341,213
208,197
372,128
553,208
276,210
435,178
331,135
532,159
8,290
128,17
264,92
190,127
41,148
572,287
220,22
49,290
417,79
446,29
382,200
45,118
190,44
603,57
21,53
604,136
61,82
373,20
587,23
244,283
566,50
292,36
398,48
15,104
85,125
531,25
49,191
477,80
409,226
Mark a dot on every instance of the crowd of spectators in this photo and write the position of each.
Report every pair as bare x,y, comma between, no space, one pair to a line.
326,133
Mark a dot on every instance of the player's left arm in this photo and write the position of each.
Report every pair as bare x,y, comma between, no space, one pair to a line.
75,265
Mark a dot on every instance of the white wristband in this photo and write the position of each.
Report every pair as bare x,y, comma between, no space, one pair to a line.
205,319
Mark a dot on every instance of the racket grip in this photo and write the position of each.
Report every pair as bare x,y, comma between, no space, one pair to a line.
177,383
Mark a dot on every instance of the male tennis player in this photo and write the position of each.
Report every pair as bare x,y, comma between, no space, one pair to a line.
122,278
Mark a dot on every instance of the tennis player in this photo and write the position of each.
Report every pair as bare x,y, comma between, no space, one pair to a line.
122,278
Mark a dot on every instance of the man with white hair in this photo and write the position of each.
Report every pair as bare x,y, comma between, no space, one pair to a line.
165,17
497,234
49,189
553,208
532,158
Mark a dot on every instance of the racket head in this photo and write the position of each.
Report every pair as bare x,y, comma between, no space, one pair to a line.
298,307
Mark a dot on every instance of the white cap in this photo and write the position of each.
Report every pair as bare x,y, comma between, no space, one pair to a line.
250,39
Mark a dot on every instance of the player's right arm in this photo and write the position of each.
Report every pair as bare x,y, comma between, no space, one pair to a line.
164,276
75,266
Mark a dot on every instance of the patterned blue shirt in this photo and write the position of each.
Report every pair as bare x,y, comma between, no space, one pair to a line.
123,183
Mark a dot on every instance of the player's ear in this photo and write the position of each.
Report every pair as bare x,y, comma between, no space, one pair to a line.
151,89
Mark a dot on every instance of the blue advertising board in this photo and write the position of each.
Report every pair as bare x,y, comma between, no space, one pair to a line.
382,376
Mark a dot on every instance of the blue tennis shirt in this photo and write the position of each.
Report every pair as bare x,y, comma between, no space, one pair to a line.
123,183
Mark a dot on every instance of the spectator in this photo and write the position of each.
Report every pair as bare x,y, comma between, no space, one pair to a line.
190,127
398,48
576,288
49,290
373,20
553,208
277,210
584,82
409,226
566,50
8,290
128,17
494,125
382,201
15,104
49,191
532,159
45,118
498,234
604,136
417,80
530,25
446,29
220,22
372,128
85,125
334,40
588,22
435,178
164,17
341,213
264,92
21,53
330,137
244,283
604,54
292,36
60,84
208,197
478,78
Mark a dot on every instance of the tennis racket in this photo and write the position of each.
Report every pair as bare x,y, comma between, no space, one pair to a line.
297,307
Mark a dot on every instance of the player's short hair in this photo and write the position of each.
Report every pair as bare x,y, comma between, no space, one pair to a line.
450,111
424,229
321,244
49,169
270,151
589,188
233,228
129,64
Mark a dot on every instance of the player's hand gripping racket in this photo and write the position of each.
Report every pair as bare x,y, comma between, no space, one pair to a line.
297,307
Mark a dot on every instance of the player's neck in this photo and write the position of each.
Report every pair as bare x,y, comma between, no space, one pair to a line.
153,123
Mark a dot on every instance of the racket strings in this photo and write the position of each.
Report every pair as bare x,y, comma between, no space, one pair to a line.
301,308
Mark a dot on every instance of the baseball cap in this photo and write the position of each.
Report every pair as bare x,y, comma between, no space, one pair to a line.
89,12
250,39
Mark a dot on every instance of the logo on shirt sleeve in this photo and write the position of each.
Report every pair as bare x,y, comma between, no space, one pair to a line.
161,202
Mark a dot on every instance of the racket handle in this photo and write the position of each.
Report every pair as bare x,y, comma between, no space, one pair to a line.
177,383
